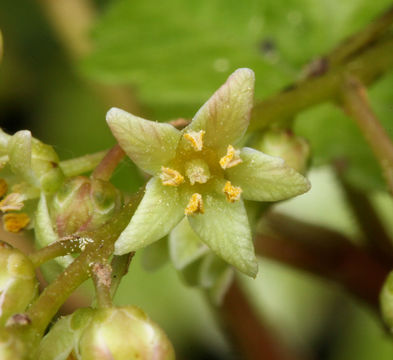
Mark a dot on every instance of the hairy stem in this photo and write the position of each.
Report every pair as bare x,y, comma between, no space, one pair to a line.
367,66
101,274
59,248
356,104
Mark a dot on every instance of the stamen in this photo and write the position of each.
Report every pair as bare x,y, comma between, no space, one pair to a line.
170,177
231,159
13,201
3,187
197,171
195,205
232,192
195,138
15,222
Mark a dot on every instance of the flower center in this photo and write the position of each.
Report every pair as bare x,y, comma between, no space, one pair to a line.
197,171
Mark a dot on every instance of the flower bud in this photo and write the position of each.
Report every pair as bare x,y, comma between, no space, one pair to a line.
59,343
18,284
386,301
34,161
83,204
123,334
11,348
293,149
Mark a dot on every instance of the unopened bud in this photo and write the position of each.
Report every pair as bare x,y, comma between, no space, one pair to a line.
18,284
83,204
386,301
11,348
294,149
34,161
122,334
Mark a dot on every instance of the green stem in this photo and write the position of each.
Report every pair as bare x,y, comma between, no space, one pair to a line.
101,274
56,293
59,248
356,104
109,163
367,66
373,31
81,165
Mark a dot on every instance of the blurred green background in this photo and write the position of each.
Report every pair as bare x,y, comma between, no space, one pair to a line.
162,60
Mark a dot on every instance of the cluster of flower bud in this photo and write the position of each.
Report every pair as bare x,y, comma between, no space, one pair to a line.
121,333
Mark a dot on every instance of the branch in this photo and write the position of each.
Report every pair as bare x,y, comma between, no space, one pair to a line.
356,104
59,248
109,163
367,66
254,340
357,42
101,274
326,253
378,240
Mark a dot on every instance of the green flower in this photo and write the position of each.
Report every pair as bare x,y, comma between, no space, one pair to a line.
200,173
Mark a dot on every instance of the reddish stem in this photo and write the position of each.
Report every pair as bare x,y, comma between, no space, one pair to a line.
108,164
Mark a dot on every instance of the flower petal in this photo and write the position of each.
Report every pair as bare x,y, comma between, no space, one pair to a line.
266,178
184,245
226,115
216,276
224,228
19,152
149,144
160,210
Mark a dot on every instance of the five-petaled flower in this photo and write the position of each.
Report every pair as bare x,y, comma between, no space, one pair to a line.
200,173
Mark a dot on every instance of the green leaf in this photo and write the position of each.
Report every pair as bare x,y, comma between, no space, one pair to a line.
177,52
149,144
226,115
266,178
184,245
160,210
224,228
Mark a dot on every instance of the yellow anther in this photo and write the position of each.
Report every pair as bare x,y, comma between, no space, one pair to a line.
195,205
232,192
15,222
231,159
13,201
3,187
195,138
170,177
